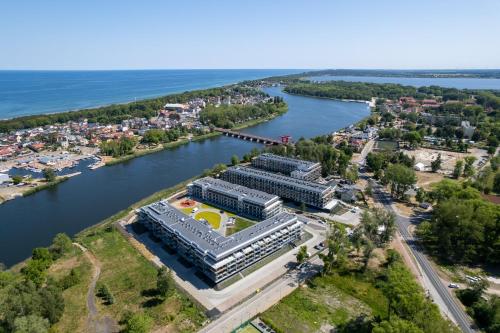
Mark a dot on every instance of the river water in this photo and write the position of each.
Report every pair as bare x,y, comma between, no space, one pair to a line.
86,199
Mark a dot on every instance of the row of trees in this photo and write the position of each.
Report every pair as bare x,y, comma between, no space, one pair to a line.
227,116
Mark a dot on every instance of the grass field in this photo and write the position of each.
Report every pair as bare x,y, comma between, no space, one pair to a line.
187,211
239,224
331,300
75,306
211,217
132,281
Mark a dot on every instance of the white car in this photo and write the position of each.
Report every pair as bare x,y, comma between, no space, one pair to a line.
453,286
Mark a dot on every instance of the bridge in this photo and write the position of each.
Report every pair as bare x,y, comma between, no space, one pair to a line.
251,137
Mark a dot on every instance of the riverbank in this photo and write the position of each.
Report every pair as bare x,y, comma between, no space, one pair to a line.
184,141
95,195
370,103
13,192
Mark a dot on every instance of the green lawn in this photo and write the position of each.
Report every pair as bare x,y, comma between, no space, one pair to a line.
186,211
248,329
239,224
211,217
326,300
131,279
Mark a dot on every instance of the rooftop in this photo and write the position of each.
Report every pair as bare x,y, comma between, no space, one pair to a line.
204,238
239,191
311,186
301,165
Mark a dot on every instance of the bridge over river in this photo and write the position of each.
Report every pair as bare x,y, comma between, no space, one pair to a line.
285,139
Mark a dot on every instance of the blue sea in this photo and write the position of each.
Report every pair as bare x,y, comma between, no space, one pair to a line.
36,92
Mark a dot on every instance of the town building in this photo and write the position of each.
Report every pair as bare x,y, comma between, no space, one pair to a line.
298,190
236,198
216,256
292,167
468,129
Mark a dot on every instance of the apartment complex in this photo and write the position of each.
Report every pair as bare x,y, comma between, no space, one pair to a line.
236,198
216,256
292,167
314,194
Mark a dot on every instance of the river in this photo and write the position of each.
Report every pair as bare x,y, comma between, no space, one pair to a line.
87,199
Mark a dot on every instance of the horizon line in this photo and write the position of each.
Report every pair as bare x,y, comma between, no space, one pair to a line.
251,68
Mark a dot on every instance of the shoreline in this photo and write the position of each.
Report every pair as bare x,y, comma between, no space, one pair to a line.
178,143
137,154
126,102
370,103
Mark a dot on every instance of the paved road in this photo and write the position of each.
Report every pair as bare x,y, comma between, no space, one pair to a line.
263,300
452,308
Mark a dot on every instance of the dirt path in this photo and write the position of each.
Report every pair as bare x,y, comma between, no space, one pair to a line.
95,324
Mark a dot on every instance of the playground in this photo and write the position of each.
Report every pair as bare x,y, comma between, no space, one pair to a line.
220,220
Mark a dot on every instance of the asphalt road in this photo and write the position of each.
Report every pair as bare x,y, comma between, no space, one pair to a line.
263,300
403,223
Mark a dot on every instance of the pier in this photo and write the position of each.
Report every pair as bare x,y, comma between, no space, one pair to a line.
254,138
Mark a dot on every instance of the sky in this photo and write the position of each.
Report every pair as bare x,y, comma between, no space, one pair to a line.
164,34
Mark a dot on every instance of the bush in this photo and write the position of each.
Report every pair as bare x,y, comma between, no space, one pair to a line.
105,294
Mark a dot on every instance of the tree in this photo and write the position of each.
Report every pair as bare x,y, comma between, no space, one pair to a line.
154,136
436,164
49,174
164,281
352,174
421,195
396,325
375,161
139,323
235,160
60,245
496,183
31,324
302,206
468,168
401,178
457,171
53,303
413,137
378,226
302,255
17,179
104,292
338,245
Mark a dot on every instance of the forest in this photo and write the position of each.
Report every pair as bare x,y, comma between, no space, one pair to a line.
464,227
318,149
115,113
228,116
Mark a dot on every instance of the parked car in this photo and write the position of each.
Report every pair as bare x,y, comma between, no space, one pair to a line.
453,286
